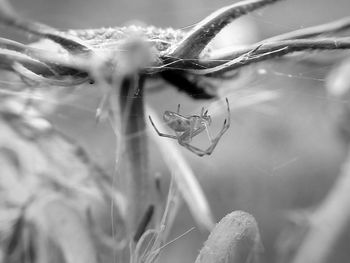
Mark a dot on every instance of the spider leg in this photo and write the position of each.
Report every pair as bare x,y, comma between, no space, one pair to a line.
211,148
227,123
187,136
218,137
160,133
195,150
225,127
208,151
208,133
215,141
192,132
178,108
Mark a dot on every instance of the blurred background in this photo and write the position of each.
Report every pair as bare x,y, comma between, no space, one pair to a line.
278,158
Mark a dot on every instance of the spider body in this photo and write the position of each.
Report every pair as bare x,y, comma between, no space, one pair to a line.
186,128
176,121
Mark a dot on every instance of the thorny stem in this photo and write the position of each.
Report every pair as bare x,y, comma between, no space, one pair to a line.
208,28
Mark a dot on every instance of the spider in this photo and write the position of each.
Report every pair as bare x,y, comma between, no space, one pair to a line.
186,128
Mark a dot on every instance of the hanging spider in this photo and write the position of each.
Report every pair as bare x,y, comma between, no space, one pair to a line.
188,127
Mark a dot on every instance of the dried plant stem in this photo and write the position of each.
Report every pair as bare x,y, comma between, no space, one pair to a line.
328,222
134,179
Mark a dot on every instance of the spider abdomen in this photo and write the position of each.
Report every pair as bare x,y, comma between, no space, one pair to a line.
176,122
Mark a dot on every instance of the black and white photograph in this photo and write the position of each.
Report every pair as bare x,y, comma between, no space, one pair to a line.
163,131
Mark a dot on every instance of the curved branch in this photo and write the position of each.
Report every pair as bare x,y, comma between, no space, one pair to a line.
209,27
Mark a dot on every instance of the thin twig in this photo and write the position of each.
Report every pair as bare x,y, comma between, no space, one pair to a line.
314,31
232,59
